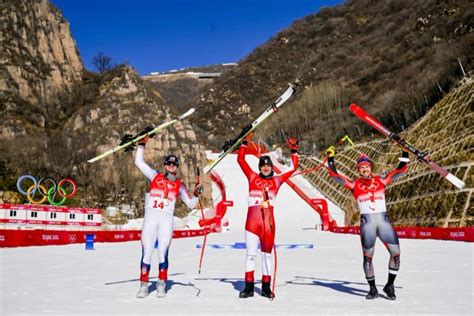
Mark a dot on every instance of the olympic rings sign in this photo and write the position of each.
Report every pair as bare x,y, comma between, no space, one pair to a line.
47,189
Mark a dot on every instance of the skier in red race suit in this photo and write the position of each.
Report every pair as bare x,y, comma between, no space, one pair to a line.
369,191
260,224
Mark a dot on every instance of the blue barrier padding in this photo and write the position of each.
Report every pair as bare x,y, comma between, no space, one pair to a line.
241,245
90,241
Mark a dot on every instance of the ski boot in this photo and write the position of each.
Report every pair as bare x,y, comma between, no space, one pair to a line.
143,291
373,293
161,288
266,291
389,289
248,290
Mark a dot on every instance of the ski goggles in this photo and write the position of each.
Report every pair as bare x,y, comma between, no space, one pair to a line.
171,163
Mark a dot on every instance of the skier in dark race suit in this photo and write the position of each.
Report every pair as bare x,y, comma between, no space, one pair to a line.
260,224
369,191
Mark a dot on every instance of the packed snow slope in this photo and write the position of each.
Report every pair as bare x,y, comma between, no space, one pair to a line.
320,274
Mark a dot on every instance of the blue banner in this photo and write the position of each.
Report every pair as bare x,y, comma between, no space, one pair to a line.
241,245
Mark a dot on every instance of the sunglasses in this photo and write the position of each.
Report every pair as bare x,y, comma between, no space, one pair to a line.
171,163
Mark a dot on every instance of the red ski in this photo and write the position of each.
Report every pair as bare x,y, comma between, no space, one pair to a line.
369,119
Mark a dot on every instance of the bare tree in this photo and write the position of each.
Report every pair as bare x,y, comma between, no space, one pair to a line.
102,62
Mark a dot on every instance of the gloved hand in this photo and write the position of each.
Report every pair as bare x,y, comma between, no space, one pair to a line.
248,138
293,143
198,189
125,139
331,151
142,142
405,156
147,130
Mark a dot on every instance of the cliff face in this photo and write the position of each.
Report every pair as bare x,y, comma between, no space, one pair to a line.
38,55
38,61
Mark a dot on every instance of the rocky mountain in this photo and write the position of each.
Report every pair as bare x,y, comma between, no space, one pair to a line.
396,57
38,59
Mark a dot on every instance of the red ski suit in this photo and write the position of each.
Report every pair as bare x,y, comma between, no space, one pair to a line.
261,221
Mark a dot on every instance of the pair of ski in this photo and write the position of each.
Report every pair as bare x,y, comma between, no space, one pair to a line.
143,135
360,113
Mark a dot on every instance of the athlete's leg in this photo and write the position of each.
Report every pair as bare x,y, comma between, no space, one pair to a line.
390,239
368,235
253,229
251,241
267,240
165,235
148,239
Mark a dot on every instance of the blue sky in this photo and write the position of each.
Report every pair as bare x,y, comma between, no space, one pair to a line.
165,35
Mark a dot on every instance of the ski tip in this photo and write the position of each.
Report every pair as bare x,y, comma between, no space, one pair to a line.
206,169
354,107
292,87
187,113
458,183
91,160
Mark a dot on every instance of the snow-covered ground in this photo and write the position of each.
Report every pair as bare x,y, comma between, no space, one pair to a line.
436,277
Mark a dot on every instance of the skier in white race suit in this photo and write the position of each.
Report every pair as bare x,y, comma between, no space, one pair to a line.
159,214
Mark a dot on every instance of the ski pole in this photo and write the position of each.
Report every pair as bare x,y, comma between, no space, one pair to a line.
274,270
346,139
270,218
205,227
311,169
202,250
341,141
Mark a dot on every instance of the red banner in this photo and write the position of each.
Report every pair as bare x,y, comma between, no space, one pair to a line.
457,234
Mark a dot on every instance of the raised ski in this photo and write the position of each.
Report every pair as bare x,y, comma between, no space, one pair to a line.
231,145
372,121
130,140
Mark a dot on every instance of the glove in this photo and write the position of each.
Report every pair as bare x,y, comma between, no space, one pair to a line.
125,139
142,142
293,143
247,138
198,189
404,157
330,152
147,130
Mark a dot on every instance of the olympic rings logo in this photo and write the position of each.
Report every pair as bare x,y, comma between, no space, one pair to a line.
162,183
47,189
261,184
373,186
